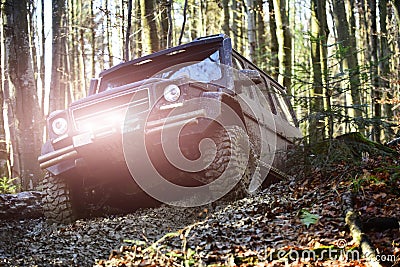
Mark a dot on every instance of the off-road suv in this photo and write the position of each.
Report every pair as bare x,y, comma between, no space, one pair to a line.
104,150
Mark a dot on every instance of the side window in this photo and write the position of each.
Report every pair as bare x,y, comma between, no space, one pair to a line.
236,63
250,91
263,86
282,105
246,89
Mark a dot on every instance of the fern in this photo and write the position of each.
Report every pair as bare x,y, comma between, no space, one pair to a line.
7,186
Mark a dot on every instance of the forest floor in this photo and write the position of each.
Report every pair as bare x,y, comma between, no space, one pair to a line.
297,222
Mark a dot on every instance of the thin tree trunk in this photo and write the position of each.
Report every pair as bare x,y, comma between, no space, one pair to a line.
316,125
261,40
212,17
162,13
384,68
284,37
93,38
42,57
137,46
80,90
240,28
170,23
32,32
128,31
108,33
235,18
251,29
82,66
226,24
185,7
69,95
57,92
71,47
273,44
121,26
348,54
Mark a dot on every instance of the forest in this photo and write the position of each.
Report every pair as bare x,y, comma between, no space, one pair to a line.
338,60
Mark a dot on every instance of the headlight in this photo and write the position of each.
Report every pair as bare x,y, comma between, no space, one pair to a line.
172,93
59,126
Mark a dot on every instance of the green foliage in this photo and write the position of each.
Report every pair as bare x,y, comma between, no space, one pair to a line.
386,175
308,218
343,157
187,257
359,181
7,186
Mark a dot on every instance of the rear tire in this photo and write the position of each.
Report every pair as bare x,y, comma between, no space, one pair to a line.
57,202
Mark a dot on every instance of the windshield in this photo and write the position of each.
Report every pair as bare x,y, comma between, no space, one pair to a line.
200,63
207,70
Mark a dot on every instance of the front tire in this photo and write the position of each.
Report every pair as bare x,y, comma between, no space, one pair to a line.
235,158
58,206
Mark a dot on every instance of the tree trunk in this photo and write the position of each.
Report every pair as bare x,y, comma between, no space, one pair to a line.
71,49
57,92
128,31
109,33
80,90
318,38
164,24
185,7
4,151
192,13
375,92
137,45
273,43
261,52
93,38
212,17
235,28
42,58
284,37
150,39
21,79
251,29
170,23
240,27
227,18
384,68
348,55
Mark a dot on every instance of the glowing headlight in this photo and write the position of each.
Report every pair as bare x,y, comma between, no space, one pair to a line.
59,126
172,93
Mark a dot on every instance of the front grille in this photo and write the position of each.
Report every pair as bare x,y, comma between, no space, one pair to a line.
110,110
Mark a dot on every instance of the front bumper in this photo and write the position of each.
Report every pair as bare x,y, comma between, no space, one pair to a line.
87,141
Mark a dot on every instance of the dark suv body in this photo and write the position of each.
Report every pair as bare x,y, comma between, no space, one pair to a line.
84,155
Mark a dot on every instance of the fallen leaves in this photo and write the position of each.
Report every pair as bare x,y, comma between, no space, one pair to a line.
302,215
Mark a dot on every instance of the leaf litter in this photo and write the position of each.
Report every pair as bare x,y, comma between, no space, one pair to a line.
295,222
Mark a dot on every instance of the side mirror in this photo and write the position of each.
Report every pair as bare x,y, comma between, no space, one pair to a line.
93,86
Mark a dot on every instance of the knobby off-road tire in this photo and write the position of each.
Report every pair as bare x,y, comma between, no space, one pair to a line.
231,145
57,203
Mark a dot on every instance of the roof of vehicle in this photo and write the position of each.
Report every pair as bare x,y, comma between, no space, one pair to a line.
164,54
